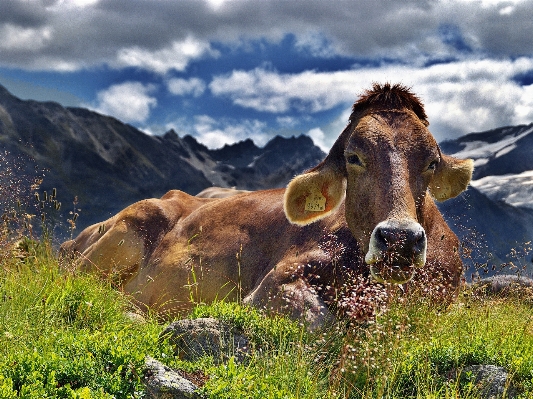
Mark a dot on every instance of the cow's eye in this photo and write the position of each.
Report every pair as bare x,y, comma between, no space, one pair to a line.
433,165
353,159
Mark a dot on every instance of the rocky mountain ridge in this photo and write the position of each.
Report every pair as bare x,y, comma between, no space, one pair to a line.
108,165
495,216
503,162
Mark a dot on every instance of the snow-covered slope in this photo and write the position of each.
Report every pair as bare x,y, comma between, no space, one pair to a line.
516,190
494,218
503,160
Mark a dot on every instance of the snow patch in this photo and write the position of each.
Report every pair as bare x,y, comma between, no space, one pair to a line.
505,150
514,189
481,149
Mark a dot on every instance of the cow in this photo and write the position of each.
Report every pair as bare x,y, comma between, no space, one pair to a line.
363,218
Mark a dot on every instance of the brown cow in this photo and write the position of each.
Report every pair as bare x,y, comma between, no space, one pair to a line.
366,214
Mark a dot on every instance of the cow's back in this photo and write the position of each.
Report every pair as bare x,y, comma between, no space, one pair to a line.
123,242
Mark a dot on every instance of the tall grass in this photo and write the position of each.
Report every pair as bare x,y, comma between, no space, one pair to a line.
68,336
412,351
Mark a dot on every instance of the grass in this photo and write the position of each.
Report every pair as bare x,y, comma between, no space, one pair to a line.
67,335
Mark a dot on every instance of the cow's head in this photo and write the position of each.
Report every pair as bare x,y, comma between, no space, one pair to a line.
384,163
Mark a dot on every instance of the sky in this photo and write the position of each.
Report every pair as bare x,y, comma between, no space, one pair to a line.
227,70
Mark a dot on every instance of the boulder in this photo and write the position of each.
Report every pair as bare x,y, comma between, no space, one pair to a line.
193,339
162,382
504,285
492,381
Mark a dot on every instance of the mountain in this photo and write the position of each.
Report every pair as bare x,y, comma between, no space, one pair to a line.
495,216
107,165
503,162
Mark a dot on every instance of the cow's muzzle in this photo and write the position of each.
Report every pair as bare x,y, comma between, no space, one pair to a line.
396,248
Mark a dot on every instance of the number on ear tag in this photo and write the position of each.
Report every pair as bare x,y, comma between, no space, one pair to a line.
315,202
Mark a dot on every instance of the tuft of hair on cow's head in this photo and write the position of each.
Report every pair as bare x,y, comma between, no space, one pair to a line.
382,165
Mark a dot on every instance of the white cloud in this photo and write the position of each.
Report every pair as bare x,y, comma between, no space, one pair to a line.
74,3
269,91
319,138
24,39
161,36
182,87
128,101
316,44
460,97
287,121
176,56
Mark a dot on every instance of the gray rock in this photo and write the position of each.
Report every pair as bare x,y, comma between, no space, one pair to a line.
162,382
504,284
492,381
193,339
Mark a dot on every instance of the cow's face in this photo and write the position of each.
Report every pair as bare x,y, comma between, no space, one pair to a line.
383,163
390,160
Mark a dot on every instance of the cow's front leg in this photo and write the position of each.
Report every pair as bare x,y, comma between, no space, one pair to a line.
289,294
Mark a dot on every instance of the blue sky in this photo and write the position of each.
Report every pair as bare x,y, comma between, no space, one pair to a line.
227,70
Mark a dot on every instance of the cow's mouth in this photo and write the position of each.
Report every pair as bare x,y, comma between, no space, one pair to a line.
392,273
395,250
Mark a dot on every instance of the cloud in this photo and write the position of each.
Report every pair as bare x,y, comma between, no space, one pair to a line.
182,87
128,101
215,133
269,91
176,56
24,39
316,44
168,35
460,97
319,138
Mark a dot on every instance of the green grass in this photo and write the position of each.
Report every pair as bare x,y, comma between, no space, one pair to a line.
66,335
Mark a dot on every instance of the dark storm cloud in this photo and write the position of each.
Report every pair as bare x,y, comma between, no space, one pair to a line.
63,35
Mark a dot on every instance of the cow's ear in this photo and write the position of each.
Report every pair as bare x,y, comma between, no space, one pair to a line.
451,177
313,195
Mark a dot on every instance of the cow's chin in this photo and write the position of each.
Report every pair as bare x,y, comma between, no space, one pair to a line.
395,274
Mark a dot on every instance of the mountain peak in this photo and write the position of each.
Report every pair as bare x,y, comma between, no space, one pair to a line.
505,150
171,135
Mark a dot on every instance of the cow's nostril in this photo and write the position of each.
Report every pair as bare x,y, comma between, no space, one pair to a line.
419,241
402,240
383,238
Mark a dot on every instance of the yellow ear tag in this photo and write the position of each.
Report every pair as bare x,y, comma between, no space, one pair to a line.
315,202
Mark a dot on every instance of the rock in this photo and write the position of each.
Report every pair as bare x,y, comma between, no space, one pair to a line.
193,339
135,317
162,382
504,285
492,381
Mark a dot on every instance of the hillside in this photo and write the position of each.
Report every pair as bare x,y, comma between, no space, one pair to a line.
495,215
108,165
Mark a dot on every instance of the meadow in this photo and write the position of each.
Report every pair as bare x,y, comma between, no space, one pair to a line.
64,334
